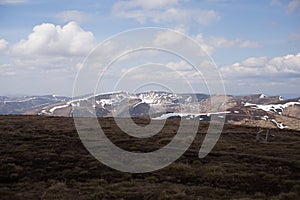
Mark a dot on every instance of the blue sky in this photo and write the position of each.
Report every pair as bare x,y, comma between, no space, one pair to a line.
255,44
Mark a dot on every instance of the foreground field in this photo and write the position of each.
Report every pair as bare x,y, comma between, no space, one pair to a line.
43,158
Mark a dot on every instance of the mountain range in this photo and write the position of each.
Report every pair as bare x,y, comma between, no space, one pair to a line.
251,110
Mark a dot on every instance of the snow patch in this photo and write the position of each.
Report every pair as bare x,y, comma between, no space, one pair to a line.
189,115
24,100
104,102
138,104
157,98
279,124
58,107
276,108
265,117
262,96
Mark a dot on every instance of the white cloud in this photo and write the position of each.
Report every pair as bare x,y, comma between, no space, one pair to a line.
205,17
162,12
72,15
188,44
255,62
220,42
50,40
261,74
5,2
279,67
289,63
210,44
248,44
180,66
167,38
131,4
49,49
3,46
203,43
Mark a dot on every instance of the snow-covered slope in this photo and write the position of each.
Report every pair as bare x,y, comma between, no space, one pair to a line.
257,110
276,108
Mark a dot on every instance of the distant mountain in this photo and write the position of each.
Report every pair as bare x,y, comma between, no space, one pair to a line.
28,104
253,110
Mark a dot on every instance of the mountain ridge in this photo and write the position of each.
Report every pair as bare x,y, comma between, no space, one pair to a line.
255,109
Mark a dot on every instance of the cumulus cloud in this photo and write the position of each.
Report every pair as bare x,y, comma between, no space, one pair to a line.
282,67
48,48
289,63
72,15
270,75
164,11
254,62
3,46
49,40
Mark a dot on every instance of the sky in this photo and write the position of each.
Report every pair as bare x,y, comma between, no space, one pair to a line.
254,44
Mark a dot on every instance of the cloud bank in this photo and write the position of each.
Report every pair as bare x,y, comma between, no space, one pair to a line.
287,66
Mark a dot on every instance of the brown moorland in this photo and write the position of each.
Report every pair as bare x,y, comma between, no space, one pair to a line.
43,158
